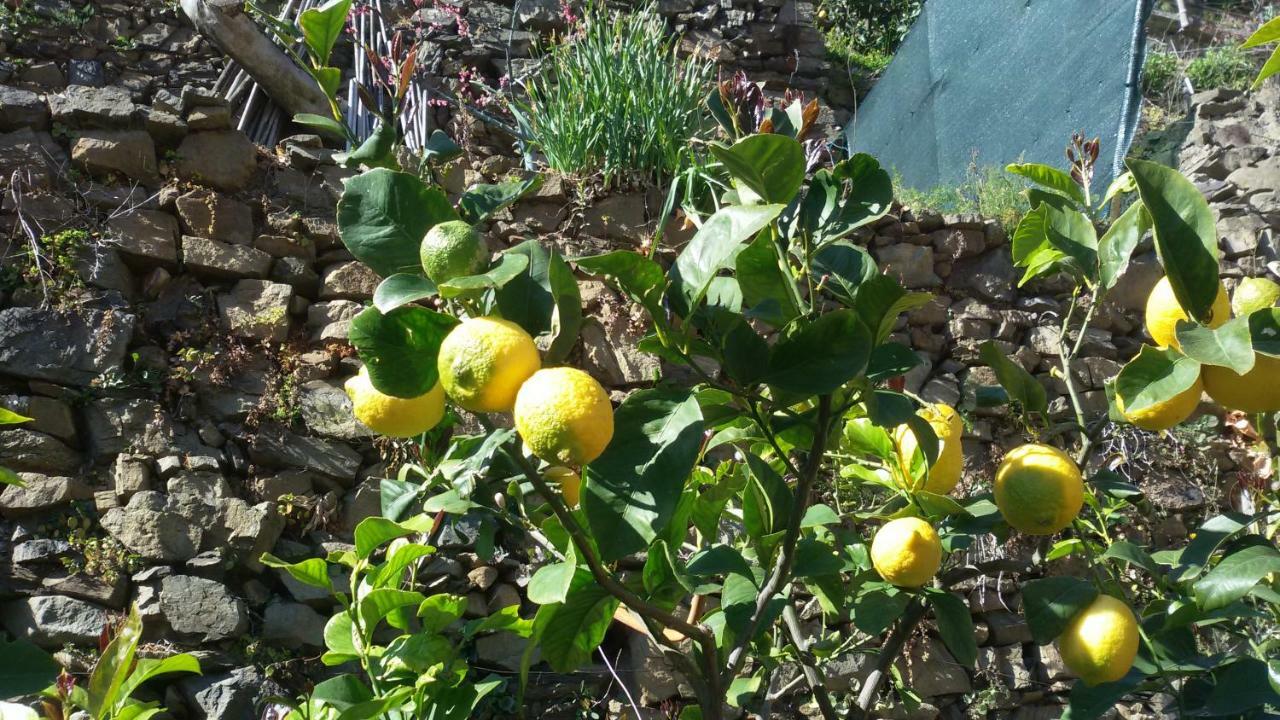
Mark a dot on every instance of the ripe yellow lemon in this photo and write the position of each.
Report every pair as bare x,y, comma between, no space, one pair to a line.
906,552
1038,489
392,416
483,361
944,474
564,416
570,483
1256,391
1101,641
1164,312
1164,415
452,249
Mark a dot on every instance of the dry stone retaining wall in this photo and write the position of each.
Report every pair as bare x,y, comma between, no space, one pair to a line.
183,364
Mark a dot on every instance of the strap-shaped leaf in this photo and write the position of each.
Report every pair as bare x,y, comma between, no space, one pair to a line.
1051,178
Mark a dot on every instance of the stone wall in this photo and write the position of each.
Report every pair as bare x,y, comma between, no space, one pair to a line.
183,361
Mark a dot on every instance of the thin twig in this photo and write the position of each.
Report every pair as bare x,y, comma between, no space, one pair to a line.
808,669
888,653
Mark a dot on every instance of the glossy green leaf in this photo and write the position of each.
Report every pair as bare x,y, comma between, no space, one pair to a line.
339,639
440,148
400,348
1228,345
322,26
25,669
1233,577
1088,702
875,609
1116,246
1239,687
768,292
382,603
822,356
373,532
326,125
713,249
383,216
392,572
891,360
855,192
1050,603
544,299
1186,236
312,571
402,289
772,166
843,267
1209,536
9,417
1127,552
550,583
1051,178
568,632
145,669
879,302
1264,331
438,612
508,268
377,150
1018,383
632,489
638,277
955,626
480,202
1153,376
113,667
342,691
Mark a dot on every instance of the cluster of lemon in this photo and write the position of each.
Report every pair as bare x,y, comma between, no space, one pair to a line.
1039,491
1253,392
491,365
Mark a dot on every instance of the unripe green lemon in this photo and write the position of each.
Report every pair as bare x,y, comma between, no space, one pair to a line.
906,552
1101,641
564,416
483,361
1038,489
392,416
452,249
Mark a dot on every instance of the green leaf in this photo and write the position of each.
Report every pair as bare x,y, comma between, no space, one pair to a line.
891,360
1265,35
639,278
25,669
1233,577
440,148
822,356
1050,603
374,532
845,267
1269,68
113,667
1228,345
9,417
342,691
1018,383
551,583
322,26
1088,702
1051,178
390,573
1211,534
544,299
1264,331
377,150
954,625
1186,237
313,571
1117,244
767,292
509,266
877,607
340,639
879,302
770,498
714,248
863,437
569,632
381,602
383,216
480,202
1243,685
1153,376
148,668
746,354
402,289
326,125
400,347
1071,232
855,192
819,515
770,165
632,489
378,706
440,611
1127,552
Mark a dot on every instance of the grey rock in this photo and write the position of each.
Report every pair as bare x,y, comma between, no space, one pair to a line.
912,265
246,530
256,309
1263,177
1007,664
279,246
231,696
223,261
131,475
652,674
1008,628
30,451
52,621
202,608
22,108
348,281
80,106
212,215
223,159
294,625
326,410
116,425
131,153
148,528
39,493
165,128
276,447
85,72
41,551
846,671
930,670
210,118
298,274
145,238
206,487
991,275
1239,234
290,482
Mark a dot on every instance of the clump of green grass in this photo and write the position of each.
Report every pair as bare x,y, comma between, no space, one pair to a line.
1222,67
615,98
987,191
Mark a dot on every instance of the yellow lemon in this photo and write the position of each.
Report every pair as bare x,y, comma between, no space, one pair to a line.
392,416
564,416
944,474
1164,312
906,552
1038,489
570,483
484,360
1166,414
1256,391
1254,294
1101,641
